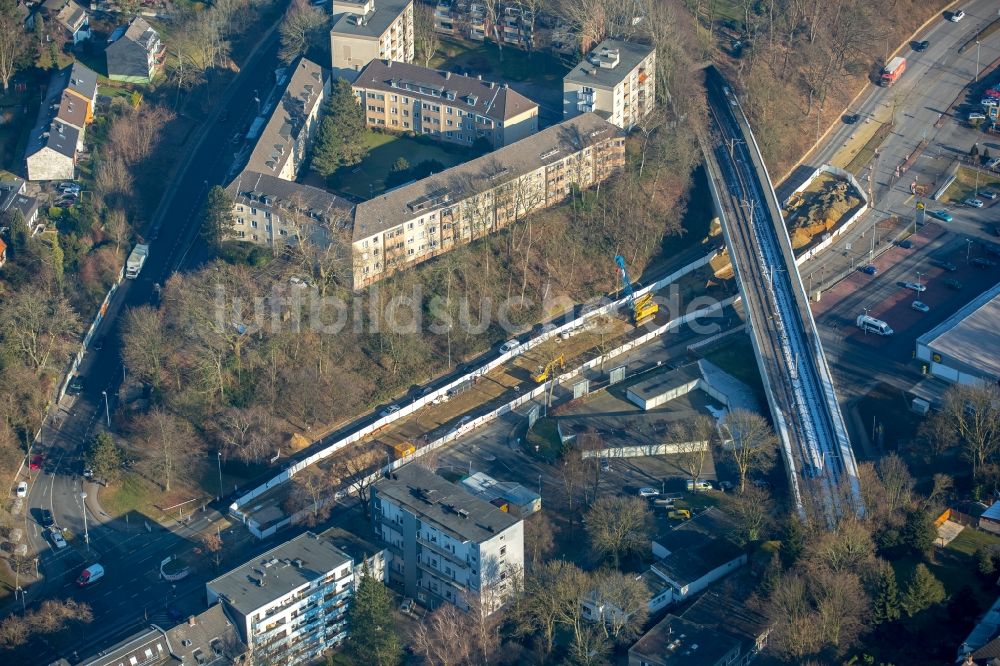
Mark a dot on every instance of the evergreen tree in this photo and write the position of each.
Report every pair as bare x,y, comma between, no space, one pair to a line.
986,561
340,138
919,531
104,458
217,216
923,591
371,635
400,165
20,235
974,151
792,541
885,596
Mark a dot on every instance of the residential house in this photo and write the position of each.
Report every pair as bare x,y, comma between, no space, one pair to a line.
281,149
134,52
617,81
207,639
70,16
58,134
675,641
272,211
416,222
13,198
507,496
289,604
366,30
451,107
446,545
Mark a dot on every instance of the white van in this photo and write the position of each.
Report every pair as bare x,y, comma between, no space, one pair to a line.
698,486
873,325
90,575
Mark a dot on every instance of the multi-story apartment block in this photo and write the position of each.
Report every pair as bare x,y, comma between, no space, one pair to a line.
451,107
445,544
414,223
617,81
516,25
513,23
272,211
366,30
289,604
283,143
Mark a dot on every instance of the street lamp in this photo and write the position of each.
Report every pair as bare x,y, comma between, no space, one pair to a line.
86,533
977,60
968,249
256,98
107,409
22,592
219,459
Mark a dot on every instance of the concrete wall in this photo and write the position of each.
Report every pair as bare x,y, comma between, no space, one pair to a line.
650,450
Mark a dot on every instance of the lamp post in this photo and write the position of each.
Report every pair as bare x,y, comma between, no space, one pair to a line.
977,60
86,533
107,409
219,459
968,249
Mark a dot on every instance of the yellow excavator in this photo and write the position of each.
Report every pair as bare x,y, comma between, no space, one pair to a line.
545,371
643,308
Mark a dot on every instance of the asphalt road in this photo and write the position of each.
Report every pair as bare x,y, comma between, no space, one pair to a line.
131,592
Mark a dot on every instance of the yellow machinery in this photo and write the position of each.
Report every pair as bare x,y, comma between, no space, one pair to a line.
643,308
544,372
402,449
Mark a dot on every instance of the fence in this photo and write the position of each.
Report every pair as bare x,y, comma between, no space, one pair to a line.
538,391
648,450
477,372
846,225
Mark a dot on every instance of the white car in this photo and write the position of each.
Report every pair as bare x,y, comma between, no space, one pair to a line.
509,346
648,492
915,286
920,306
57,538
391,409
956,16
22,489
975,203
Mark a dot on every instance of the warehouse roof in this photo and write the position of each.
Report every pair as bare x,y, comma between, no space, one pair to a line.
972,335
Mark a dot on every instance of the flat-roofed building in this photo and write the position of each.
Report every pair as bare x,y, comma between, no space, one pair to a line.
416,222
617,81
451,107
446,545
289,604
366,30
675,641
283,143
965,348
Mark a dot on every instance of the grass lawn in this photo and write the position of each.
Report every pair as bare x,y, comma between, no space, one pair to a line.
512,65
738,359
131,493
965,185
545,436
970,540
368,178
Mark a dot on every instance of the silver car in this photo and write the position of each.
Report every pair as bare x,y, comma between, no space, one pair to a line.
920,306
975,203
915,286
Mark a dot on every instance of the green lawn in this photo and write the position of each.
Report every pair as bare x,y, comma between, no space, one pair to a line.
738,359
512,65
965,185
970,540
368,178
131,493
545,436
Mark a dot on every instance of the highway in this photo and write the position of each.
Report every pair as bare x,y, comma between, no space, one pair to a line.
819,460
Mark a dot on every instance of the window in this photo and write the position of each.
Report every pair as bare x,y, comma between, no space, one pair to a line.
239,208
450,123
253,211
253,223
394,110
392,98
503,550
406,114
410,252
425,106
239,220
449,110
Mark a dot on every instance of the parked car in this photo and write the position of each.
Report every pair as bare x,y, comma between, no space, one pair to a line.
605,465
920,47
698,485
509,346
22,489
391,409
57,538
975,116
988,194
68,187
953,284
983,262
941,214
406,606
75,386
993,163
920,306
974,203
956,16
36,461
905,244
946,265
869,270
915,286
648,492
45,518
679,514
852,118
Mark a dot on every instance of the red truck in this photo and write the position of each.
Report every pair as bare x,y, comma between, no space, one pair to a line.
892,71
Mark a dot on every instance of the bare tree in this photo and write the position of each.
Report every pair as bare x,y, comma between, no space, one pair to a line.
146,345
752,510
618,526
212,544
751,443
694,442
38,327
973,411
301,29
247,433
539,537
624,600
442,638
170,445
312,488
13,42
426,39
356,468
117,226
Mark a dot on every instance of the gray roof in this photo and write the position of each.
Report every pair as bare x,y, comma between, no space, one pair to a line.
316,556
459,182
697,547
675,641
434,500
356,546
272,193
486,487
470,94
590,73
81,80
972,335
277,140
671,380
57,136
373,24
128,53
72,17
729,613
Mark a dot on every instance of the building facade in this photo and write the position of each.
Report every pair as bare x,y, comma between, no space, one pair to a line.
289,605
414,223
451,107
965,348
134,52
513,24
281,149
366,30
617,81
446,545
58,134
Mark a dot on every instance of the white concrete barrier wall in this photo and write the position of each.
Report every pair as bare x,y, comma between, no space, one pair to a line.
642,451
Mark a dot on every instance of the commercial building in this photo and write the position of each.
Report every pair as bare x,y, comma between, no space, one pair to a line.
134,52
507,496
289,604
414,223
270,211
366,30
445,544
965,348
446,106
281,149
675,641
617,81
58,134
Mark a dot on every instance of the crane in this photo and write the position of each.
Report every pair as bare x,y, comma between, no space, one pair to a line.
643,308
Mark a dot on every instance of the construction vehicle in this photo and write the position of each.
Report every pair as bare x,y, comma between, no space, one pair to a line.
544,372
643,308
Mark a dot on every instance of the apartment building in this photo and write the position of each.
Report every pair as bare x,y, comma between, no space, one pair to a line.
617,81
134,52
289,604
514,23
445,544
414,223
281,148
58,134
366,30
271,211
451,107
